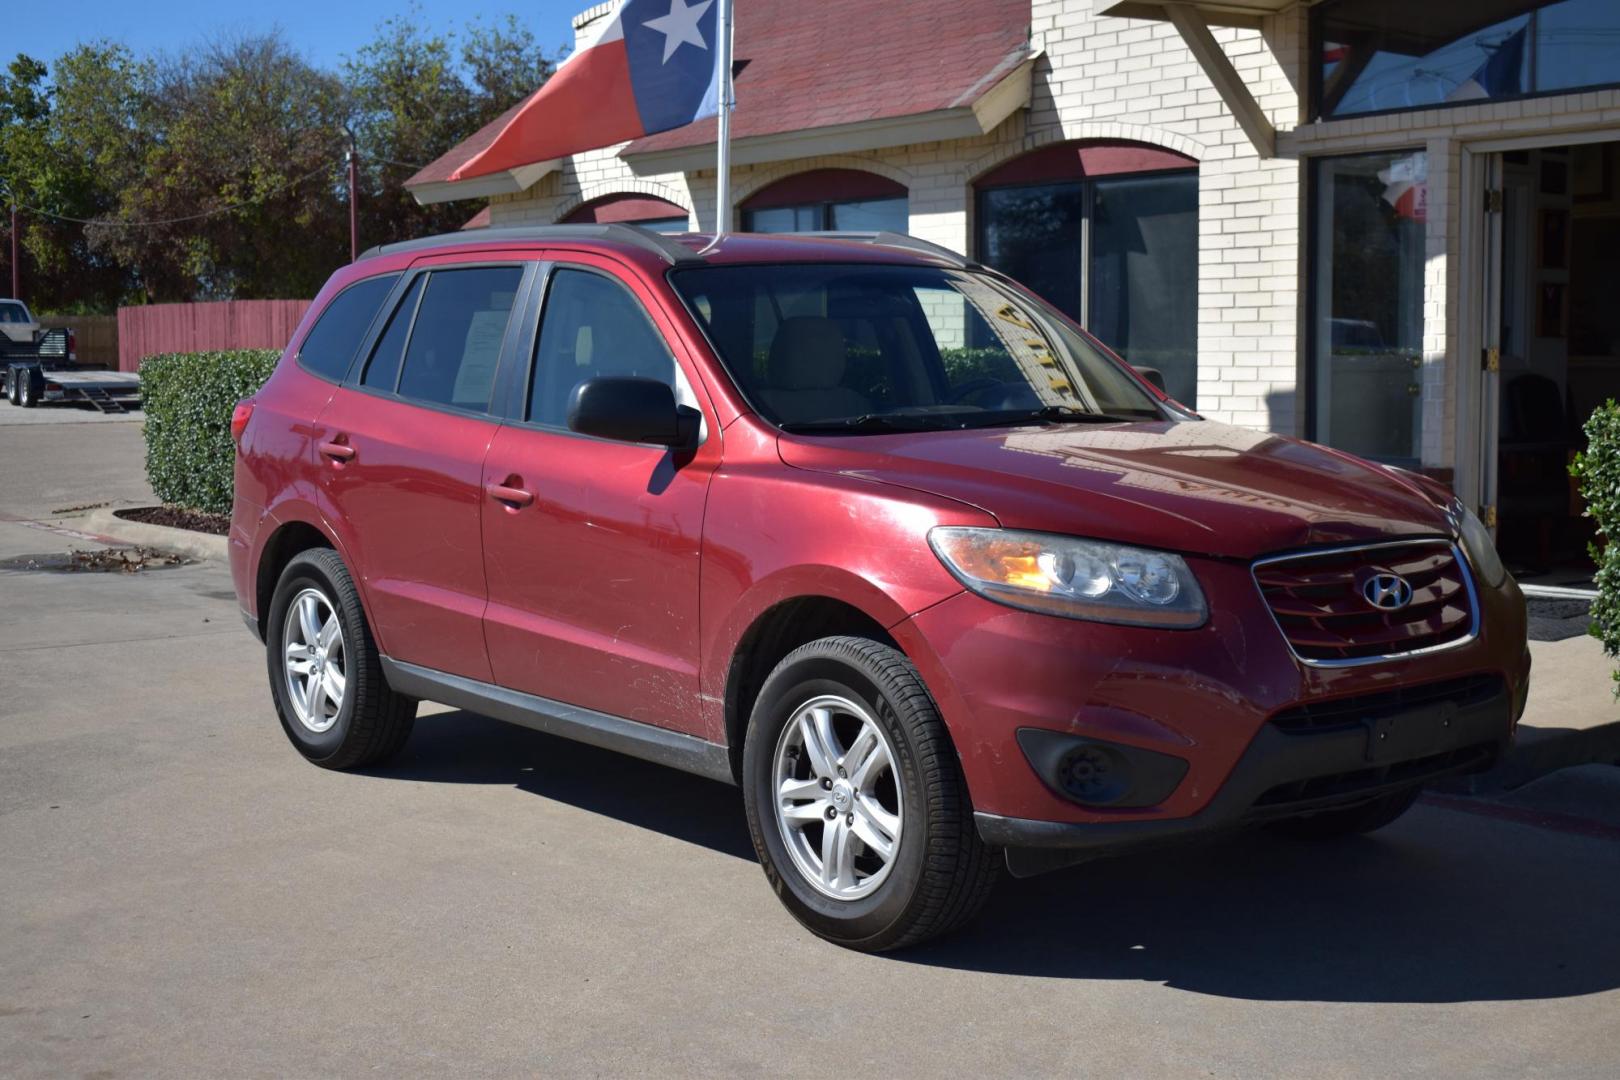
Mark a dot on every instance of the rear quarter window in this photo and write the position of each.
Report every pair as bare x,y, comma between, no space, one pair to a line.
332,342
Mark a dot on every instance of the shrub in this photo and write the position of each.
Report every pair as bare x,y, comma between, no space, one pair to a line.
188,399
1598,469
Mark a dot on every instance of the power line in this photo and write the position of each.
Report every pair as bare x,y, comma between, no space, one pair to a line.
120,223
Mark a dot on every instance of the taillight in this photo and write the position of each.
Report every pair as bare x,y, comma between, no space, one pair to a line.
239,420
73,345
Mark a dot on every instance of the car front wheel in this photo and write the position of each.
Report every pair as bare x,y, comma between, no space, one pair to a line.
856,801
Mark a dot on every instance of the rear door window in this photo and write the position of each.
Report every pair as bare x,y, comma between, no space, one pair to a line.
455,342
332,342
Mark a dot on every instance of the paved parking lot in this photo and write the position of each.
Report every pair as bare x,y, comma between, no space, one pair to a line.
65,412
181,895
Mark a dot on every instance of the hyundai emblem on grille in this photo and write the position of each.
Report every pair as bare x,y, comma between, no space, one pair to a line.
1387,592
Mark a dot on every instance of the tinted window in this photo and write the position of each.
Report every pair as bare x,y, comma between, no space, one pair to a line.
456,342
383,370
591,326
337,334
876,348
13,313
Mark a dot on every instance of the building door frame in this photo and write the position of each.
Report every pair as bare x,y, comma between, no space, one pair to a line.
1479,272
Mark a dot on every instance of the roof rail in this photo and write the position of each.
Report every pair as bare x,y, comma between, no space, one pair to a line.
901,240
669,250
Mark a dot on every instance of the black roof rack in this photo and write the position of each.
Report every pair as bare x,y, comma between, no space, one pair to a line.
669,250
904,241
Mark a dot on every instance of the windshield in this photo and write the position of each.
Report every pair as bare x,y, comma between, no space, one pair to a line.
838,348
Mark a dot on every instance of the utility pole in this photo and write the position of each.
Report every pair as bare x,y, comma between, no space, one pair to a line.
16,277
354,216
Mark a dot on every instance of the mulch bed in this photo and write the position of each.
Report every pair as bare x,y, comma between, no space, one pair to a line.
176,517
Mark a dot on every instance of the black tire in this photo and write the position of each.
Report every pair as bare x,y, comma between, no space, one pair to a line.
941,873
373,722
27,395
1364,818
12,387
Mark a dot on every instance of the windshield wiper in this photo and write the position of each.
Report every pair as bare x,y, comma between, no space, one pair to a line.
1053,414
865,422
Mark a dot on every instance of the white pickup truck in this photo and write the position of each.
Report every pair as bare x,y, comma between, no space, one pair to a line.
38,365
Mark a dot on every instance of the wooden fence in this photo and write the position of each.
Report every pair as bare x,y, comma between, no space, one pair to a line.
97,336
229,324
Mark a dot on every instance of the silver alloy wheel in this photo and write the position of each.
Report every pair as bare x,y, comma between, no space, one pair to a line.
312,644
837,797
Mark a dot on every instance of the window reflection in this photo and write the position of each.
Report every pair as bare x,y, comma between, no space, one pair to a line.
1368,304
856,215
1377,56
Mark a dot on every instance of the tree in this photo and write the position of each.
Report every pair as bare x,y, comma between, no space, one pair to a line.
57,159
249,155
412,103
507,65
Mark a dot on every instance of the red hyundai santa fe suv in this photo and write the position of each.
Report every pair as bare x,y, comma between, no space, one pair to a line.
864,528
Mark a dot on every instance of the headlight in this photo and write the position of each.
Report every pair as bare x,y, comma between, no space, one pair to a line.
1478,546
1078,579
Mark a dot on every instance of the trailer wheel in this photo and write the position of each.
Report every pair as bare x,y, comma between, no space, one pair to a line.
27,397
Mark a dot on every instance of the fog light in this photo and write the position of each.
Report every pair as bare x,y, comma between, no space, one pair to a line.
1094,775
1098,773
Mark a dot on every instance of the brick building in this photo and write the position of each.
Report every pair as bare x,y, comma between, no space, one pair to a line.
1385,226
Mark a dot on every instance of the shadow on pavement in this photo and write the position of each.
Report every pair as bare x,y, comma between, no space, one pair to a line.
465,748
1441,907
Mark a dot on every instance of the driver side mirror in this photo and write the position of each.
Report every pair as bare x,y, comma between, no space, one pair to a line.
631,409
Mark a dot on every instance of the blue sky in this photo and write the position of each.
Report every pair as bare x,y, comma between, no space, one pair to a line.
324,31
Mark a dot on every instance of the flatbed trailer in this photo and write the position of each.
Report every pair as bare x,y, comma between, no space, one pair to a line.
109,391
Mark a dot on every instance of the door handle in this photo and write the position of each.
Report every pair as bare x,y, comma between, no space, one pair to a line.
338,451
515,498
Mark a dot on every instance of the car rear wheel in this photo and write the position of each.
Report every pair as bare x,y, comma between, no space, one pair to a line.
856,802
325,672
1365,818
25,393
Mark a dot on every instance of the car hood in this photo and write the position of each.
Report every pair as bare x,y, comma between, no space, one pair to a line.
1196,487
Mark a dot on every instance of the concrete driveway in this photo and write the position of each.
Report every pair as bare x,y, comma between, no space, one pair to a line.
181,895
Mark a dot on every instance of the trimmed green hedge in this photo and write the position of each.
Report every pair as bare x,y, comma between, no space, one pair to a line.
1598,470
188,399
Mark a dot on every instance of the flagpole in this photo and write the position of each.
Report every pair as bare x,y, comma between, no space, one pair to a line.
722,192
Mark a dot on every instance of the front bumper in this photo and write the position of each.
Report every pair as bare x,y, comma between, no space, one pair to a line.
1211,697
1295,766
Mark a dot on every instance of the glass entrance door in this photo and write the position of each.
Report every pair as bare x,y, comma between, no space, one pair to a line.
1367,303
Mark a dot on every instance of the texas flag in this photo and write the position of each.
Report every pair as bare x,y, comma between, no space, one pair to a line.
648,65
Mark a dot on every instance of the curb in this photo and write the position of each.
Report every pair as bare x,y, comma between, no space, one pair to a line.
195,545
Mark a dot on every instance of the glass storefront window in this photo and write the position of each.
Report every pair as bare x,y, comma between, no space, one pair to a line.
1376,56
1118,254
856,215
1367,304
